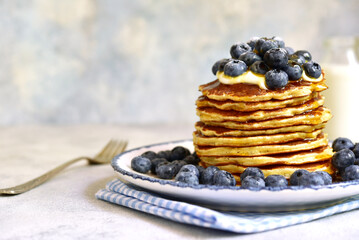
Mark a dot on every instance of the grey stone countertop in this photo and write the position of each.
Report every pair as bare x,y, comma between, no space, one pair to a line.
66,208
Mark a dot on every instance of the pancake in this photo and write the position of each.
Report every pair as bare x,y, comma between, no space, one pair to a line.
201,140
296,158
203,101
285,170
243,92
214,114
314,117
261,150
212,131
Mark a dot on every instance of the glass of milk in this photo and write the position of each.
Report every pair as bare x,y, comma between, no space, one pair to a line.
341,70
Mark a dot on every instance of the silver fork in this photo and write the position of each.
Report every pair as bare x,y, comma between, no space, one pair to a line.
112,148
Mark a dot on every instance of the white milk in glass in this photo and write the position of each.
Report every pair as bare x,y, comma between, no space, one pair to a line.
342,99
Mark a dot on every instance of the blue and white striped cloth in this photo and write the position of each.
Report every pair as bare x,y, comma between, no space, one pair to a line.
119,193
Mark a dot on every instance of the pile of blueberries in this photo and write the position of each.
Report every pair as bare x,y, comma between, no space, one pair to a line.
346,158
182,166
268,56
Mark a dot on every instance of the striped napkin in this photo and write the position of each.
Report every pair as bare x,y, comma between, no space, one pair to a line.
119,193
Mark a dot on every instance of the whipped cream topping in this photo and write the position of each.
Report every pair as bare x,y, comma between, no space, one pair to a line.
247,77
257,79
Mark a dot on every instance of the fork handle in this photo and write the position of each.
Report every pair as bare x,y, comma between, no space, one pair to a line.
39,180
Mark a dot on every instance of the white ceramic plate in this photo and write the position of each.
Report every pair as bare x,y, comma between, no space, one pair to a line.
229,198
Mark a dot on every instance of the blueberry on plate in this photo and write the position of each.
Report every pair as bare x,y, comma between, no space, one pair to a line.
239,48
149,154
312,179
356,150
200,170
141,164
351,173
312,69
276,181
187,177
252,183
293,70
343,158
164,154
179,164
305,54
341,143
276,79
249,58
179,153
252,171
276,58
326,177
207,175
191,159
297,178
235,68
157,161
223,178
190,168
259,67
166,171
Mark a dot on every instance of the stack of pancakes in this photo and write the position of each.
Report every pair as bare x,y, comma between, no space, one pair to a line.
278,131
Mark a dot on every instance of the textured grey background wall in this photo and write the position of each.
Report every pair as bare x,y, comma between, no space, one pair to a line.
138,61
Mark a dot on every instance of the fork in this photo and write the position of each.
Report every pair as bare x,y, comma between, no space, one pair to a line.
112,148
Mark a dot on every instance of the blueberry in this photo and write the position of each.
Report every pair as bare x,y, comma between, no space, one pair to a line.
179,164
235,68
215,67
276,79
190,159
266,46
356,150
239,48
164,154
342,143
223,178
312,69
312,179
166,171
279,42
179,153
343,158
252,171
276,181
187,177
155,162
326,177
296,59
258,44
207,175
190,168
293,70
252,183
249,58
141,164
305,54
289,50
200,170
149,154
221,64
297,178
276,58
259,67
252,42
351,173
